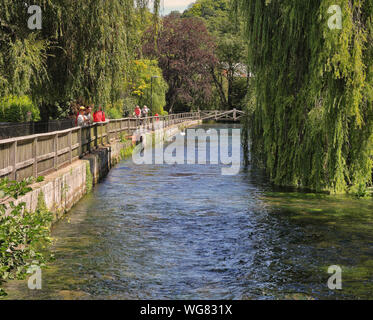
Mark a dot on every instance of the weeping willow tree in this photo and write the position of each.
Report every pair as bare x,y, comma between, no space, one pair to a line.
312,123
22,53
83,49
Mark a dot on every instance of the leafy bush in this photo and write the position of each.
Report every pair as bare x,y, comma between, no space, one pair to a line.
360,191
15,109
129,104
23,235
114,111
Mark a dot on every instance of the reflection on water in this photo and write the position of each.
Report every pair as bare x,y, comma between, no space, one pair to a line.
187,232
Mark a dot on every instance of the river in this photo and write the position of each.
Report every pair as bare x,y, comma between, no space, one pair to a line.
188,232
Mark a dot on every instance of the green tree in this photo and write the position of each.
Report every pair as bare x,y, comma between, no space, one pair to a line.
83,50
148,85
231,49
312,124
232,54
22,52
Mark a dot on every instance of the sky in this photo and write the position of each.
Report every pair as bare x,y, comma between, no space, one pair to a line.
178,5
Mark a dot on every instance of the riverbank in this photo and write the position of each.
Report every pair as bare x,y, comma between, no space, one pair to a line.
56,193
187,232
61,190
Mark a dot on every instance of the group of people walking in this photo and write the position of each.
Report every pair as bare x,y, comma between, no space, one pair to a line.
142,113
86,118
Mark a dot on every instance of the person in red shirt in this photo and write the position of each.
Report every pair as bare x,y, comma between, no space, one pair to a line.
99,116
96,116
137,112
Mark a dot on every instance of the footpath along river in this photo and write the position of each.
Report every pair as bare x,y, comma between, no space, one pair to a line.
188,232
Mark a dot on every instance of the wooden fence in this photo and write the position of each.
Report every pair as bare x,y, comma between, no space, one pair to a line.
40,154
228,115
10,130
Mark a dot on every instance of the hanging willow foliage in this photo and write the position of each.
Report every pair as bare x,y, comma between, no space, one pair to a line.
312,124
22,53
83,49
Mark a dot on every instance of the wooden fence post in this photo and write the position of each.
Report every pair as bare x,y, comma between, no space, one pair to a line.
95,134
108,129
35,157
102,133
70,141
80,149
55,149
13,160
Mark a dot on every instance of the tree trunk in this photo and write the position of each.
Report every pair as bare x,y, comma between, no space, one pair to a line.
44,112
230,90
219,87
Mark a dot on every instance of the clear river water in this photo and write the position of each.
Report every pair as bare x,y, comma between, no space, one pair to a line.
188,232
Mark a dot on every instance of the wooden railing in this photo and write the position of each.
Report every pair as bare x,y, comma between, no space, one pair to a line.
226,115
40,154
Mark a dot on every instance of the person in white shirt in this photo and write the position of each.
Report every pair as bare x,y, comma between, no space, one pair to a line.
88,116
145,111
82,120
